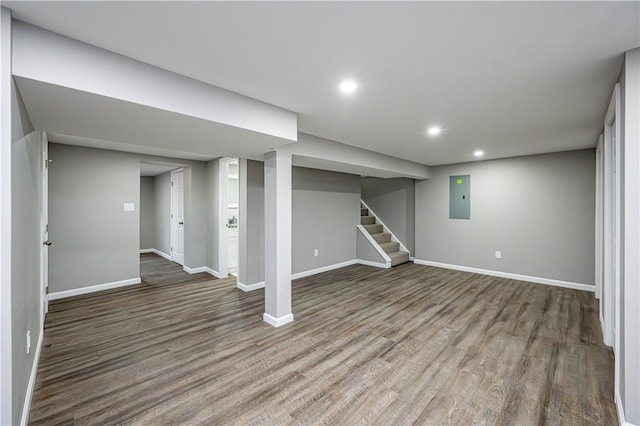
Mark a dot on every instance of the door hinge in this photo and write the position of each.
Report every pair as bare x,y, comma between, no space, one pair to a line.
171,183
171,216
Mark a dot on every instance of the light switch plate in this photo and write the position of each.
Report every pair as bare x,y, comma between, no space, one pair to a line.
498,255
128,207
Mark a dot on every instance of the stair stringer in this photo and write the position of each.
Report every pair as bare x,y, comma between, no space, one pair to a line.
386,229
365,236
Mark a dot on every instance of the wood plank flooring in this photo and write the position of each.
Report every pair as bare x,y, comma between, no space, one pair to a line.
409,345
155,269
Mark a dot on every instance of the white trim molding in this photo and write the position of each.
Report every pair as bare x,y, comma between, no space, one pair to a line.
322,269
375,245
24,419
250,287
374,264
537,280
277,322
156,251
201,269
308,273
92,289
386,228
620,408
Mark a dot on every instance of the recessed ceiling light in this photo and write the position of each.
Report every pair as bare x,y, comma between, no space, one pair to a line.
434,130
479,153
348,87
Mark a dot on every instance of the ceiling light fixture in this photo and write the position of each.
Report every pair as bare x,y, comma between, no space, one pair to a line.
348,87
479,153
434,130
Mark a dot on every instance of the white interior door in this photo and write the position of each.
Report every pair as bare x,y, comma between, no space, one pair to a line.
177,216
232,216
44,227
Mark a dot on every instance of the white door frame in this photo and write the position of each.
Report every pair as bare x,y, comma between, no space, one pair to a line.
599,251
611,232
223,258
44,229
612,127
171,233
237,206
612,219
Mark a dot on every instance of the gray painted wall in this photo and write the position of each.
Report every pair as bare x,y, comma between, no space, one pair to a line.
197,215
162,201
26,243
212,206
147,213
365,250
325,212
251,250
538,210
94,240
393,201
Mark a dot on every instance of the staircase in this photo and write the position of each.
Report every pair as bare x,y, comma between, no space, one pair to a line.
382,238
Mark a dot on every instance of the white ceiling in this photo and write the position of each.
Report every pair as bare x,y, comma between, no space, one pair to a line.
512,78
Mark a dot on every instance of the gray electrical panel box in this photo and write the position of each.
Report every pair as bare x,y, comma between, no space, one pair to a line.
460,197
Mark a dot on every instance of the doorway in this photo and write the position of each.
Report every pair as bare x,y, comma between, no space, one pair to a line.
611,225
229,187
177,216
44,229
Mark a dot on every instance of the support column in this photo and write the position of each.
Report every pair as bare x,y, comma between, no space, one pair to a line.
6,330
277,238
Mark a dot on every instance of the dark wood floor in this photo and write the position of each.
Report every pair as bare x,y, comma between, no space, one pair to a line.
155,269
410,345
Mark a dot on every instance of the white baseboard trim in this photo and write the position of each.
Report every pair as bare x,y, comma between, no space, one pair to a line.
308,273
197,270
374,264
537,280
201,269
26,407
213,272
250,287
620,409
92,289
321,269
277,322
158,252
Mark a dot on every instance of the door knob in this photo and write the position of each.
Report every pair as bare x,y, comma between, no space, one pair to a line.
47,243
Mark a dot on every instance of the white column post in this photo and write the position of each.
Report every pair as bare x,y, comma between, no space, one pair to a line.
277,250
6,403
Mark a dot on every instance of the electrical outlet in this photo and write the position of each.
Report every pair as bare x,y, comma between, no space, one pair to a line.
28,341
315,252
498,255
